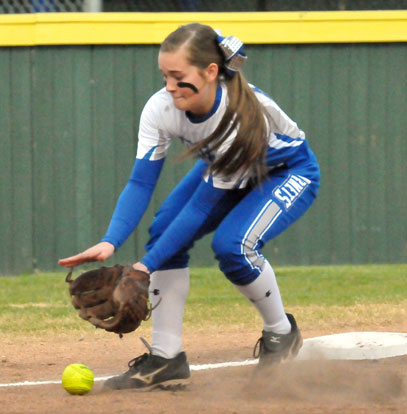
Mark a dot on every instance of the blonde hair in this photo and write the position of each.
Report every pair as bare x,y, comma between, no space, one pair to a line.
244,113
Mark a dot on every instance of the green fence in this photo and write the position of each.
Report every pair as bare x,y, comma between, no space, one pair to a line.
69,120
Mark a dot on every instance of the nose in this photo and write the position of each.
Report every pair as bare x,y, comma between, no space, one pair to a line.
170,85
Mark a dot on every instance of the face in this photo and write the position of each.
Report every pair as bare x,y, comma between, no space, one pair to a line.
175,69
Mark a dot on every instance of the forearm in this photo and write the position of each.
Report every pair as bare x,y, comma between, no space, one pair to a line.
129,210
133,201
184,228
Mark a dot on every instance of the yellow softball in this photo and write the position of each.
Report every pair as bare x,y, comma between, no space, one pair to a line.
77,379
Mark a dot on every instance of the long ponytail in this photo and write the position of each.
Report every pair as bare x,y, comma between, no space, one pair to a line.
247,151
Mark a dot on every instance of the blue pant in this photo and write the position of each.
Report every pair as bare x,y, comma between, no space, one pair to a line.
247,219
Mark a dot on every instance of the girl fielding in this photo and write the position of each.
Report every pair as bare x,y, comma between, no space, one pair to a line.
254,177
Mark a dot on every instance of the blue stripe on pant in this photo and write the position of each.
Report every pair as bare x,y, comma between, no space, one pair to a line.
245,222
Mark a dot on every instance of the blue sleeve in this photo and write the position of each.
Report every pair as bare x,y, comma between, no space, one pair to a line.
185,226
133,201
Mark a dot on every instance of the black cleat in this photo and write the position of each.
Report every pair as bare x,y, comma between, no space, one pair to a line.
148,372
274,348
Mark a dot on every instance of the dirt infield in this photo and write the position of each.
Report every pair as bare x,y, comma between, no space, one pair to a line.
324,387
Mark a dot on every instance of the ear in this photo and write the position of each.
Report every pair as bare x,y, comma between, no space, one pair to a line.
211,72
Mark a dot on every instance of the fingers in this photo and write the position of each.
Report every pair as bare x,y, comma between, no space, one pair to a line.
99,252
80,258
67,262
75,260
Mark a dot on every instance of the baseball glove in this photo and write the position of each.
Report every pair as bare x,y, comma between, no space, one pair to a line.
113,298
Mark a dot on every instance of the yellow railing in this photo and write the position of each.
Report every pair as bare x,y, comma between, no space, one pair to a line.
255,27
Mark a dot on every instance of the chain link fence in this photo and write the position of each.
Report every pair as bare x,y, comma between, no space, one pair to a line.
250,5
41,6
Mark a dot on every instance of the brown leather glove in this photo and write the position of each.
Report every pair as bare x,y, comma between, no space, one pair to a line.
113,298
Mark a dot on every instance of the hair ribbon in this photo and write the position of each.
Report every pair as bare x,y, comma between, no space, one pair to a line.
232,50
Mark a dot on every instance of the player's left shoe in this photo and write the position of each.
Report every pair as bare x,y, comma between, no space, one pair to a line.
273,348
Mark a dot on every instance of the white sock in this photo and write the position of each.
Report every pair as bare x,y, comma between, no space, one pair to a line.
265,296
172,287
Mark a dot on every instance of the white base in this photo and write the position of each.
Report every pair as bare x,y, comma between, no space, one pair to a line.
355,346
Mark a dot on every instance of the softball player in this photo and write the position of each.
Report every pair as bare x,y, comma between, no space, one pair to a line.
254,177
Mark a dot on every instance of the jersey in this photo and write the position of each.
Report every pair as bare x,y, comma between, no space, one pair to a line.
160,123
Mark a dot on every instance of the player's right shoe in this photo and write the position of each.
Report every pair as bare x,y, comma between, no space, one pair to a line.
273,348
148,371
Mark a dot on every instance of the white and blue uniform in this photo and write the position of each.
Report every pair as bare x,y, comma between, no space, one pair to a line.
243,217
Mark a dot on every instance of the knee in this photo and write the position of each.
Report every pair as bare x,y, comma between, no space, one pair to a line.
237,260
223,247
227,249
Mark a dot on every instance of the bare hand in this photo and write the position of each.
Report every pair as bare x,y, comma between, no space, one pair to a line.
99,252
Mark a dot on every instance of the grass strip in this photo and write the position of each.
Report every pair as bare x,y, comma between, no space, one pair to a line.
373,295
